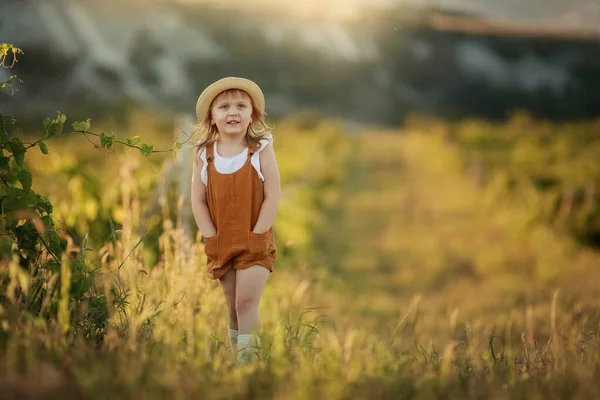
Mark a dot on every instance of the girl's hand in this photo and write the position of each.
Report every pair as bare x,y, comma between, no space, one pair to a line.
199,203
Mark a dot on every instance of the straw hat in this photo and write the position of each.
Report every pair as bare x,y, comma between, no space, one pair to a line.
212,91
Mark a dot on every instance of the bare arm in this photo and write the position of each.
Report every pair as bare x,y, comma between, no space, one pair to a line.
272,190
199,205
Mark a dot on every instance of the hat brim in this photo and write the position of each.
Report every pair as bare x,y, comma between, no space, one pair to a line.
208,95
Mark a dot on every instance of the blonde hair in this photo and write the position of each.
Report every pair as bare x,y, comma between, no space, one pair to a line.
257,129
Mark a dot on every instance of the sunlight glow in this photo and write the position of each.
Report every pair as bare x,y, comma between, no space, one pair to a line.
308,9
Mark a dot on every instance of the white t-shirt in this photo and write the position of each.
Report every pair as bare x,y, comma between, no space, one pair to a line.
228,165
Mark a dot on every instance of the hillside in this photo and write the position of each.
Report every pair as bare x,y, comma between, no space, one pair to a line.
95,58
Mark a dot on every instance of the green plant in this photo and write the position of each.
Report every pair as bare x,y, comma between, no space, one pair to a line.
47,275
6,50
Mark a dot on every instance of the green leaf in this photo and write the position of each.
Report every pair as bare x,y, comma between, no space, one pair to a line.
44,205
146,150
82,126
106,141
25,179
30,198
18,199
133,141
16,167
43,147
7,176
27,237
53,241
54,127
4,165
176,147
8,169
18,150
3,134
48,221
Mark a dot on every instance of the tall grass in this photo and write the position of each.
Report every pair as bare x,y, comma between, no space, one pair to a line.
159,330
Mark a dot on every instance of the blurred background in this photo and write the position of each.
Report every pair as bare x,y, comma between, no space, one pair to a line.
361,60
440,167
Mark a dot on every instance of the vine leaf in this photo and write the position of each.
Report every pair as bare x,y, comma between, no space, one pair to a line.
132,141
106,141
18,150
146,150
18,199
54,127
82,126
25,178
43,147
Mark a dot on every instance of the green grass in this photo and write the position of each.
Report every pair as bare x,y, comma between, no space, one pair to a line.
401,277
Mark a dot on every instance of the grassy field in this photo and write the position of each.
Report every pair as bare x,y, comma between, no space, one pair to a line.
401,275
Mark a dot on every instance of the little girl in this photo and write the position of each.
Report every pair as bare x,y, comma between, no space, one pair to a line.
235,199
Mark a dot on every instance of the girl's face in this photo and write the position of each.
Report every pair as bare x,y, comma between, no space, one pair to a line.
231,112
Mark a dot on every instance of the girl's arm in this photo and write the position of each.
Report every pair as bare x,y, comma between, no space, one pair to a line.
272,190
199,206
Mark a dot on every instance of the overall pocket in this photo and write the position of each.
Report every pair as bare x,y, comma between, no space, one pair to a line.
258,244
211,248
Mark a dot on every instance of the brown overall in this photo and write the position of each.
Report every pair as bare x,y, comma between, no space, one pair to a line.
234,202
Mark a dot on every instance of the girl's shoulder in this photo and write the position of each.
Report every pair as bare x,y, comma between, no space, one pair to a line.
265,141
204,146
258,143
202,150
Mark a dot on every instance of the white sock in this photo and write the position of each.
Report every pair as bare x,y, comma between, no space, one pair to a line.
247,348
233,338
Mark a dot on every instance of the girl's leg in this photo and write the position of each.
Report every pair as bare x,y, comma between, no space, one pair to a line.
228,284
250,283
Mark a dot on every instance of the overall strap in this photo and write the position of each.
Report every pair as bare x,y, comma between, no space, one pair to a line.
248,161
251,152
210,152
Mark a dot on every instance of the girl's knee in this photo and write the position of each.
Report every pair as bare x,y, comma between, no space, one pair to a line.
245,302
